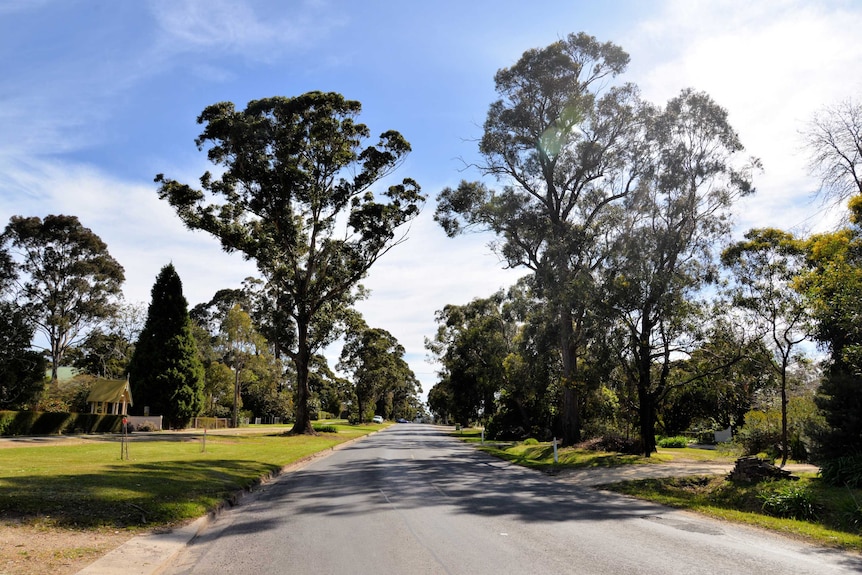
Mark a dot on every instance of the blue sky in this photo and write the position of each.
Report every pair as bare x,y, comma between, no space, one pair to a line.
98,96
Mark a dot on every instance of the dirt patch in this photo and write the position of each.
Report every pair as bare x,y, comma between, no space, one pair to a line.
27,549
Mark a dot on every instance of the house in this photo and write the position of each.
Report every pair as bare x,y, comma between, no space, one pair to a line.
110,397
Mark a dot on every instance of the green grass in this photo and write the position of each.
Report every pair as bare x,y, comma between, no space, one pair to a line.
541,455
837,521
163,482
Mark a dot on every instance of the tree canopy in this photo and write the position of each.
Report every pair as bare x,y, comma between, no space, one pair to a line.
563,152
69,280
22,370
375,361
165,373
295,195
765,266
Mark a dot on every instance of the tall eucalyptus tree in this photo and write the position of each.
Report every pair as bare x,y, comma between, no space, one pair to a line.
563,149
664,250
296,197
69,282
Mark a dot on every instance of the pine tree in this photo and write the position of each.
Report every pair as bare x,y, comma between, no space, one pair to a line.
166,373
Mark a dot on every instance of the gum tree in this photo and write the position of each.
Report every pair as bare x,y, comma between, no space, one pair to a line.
68,283
764,268
295,194
471,345
561,149
22,370
663,254
375,361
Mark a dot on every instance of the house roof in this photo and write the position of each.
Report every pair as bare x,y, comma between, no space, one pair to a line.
109,390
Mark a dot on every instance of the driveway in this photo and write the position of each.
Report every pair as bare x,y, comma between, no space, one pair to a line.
591,476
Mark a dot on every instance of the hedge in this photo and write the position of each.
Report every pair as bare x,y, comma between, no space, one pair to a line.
50,423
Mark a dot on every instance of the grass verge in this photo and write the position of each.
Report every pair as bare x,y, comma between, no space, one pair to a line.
826,515
541,455
808,508
164,482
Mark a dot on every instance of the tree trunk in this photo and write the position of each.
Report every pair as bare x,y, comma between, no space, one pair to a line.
784,443
570,416
235,422
646,414
302,424
646,396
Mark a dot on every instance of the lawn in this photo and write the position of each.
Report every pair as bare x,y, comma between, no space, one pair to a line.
541,455
808,508
166,480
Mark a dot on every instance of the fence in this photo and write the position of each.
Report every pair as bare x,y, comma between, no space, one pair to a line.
148,422
211,423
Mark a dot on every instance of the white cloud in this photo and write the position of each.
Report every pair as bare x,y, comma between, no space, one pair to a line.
771,65
141,231
230,26
423,275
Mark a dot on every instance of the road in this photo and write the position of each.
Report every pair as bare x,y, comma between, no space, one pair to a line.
412,500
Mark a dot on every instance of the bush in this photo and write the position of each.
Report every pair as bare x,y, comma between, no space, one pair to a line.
843,471
146,426
325,429
613,442
760,434
762,430
790,502
531,441
853,515
55,423
505,427
677,441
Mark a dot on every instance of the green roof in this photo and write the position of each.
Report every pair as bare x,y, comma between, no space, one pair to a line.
109,391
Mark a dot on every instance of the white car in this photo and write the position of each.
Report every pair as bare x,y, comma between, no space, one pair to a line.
377,419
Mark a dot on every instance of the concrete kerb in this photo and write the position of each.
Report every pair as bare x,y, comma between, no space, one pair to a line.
149,554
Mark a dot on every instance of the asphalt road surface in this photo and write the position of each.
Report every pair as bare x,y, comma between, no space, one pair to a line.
412,500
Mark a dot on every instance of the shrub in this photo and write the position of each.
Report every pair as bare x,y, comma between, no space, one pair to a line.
6,419
53,423
325,429
760,434
853,515
677,441
146,426
790,502
613,442
531,441
762,430
843,471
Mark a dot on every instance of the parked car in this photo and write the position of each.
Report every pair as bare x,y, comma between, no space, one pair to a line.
377,419
401,420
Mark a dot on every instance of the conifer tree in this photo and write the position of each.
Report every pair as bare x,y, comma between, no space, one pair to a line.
166,373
